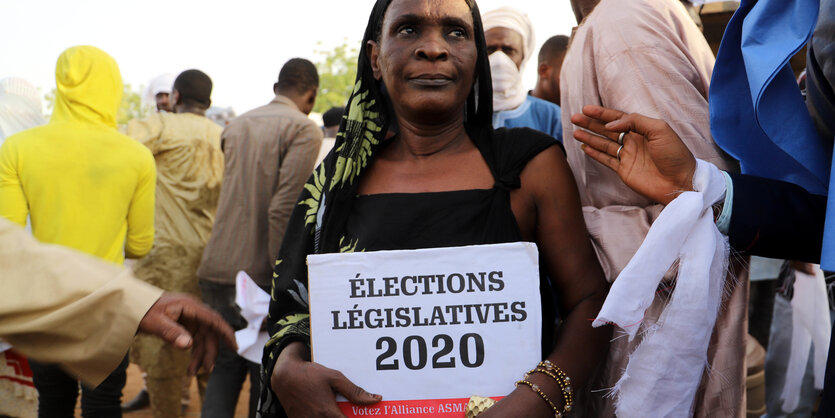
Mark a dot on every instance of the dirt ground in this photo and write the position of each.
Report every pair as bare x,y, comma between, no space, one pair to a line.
134,385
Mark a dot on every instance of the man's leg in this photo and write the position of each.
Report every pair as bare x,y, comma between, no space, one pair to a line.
230,370
224,386
166,396
104,400
254,387
166,367
57,391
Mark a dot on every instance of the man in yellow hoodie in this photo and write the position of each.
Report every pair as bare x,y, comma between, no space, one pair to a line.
85,186
186,147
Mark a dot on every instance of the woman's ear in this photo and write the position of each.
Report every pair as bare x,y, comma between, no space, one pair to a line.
372,51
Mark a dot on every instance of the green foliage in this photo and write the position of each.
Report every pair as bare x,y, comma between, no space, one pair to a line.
337,72
130,108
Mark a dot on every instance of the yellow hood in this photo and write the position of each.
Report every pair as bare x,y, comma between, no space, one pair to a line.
89,87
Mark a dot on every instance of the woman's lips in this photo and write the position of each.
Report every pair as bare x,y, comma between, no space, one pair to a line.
431,80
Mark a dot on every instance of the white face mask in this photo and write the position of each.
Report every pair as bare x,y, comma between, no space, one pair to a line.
508,92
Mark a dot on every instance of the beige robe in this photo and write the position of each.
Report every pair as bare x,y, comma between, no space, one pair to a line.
186,149
647,56
61,306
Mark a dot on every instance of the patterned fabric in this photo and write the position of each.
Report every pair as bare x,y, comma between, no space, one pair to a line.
20,399
317,224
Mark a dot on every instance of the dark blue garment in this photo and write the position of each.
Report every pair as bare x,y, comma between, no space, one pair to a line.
757,113
772,218
778,137
534,113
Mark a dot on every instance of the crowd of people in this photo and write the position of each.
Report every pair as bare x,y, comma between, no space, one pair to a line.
633,164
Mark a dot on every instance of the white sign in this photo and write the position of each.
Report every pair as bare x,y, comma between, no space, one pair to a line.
431,326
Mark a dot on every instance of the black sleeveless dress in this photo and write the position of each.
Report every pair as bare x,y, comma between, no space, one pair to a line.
398,221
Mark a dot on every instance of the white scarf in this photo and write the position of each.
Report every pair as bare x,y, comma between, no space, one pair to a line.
664,371
517,21
508,91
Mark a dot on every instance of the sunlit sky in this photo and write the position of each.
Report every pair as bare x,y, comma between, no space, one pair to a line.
240,44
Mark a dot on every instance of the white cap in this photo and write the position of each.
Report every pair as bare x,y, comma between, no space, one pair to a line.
159,84
515,20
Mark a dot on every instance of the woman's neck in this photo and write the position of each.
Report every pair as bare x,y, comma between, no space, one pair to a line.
417,140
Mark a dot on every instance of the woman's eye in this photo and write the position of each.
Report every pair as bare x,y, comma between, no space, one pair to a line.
406,30
458,33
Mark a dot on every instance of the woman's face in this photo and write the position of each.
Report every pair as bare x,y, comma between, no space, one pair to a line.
426,57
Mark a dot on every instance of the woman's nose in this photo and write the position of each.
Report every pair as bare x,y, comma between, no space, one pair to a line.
433,47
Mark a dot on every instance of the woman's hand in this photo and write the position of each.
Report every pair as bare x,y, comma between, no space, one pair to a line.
523,402
308,389
654,161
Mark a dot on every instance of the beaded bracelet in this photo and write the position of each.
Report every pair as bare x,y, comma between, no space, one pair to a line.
562,379
534,387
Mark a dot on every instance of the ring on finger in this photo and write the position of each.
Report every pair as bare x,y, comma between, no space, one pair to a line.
618,153
620,138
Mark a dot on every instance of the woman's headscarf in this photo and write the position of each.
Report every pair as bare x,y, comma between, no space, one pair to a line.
317,224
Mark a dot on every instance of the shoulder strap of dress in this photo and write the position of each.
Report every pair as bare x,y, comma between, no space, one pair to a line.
510,150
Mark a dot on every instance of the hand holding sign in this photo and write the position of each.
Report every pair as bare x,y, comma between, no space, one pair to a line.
307,389
427,328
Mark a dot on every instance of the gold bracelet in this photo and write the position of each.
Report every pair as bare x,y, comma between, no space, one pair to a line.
534,387
477,405
564,388
562,379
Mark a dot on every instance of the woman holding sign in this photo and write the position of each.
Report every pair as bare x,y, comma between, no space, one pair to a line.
417,164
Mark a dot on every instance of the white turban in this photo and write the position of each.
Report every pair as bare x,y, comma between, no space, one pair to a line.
515,20
160,84
20,106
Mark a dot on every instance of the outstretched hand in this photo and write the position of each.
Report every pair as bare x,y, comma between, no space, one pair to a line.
182,321
653,161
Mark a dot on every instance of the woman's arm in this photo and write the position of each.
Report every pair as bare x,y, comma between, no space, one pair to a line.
295,384
548,210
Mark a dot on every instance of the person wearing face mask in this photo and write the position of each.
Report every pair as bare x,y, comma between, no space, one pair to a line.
510,43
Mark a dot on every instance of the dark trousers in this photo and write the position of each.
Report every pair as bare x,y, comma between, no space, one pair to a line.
58,392
230,370
760,309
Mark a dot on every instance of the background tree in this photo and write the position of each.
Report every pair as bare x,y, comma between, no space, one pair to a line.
131,106
337,73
